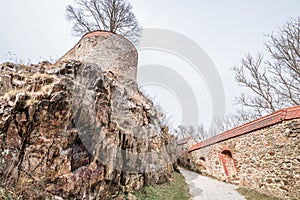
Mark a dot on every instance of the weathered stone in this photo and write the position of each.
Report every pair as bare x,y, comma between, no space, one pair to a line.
110,51
50,143
266,160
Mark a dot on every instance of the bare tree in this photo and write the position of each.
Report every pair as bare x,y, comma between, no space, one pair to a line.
204,134
198,134
110,15
232,120
273,83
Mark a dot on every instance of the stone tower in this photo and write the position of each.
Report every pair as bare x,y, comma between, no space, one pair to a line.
110,51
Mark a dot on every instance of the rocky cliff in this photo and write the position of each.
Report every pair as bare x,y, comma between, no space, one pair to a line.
71,131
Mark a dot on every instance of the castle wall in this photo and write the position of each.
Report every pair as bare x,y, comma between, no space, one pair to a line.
266,159
110,51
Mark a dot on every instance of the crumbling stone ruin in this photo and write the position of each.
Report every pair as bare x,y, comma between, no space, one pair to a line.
80,128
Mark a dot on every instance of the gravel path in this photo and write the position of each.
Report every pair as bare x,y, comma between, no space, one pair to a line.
205,188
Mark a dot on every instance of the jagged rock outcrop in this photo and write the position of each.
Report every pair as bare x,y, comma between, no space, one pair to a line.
70,131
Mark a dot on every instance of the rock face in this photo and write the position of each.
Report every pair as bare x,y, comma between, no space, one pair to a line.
262,155
71,131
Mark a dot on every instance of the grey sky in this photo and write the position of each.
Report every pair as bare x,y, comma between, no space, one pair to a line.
226,30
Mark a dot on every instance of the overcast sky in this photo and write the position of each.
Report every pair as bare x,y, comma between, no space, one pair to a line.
226,29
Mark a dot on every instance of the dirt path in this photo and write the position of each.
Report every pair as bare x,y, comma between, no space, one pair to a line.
205,188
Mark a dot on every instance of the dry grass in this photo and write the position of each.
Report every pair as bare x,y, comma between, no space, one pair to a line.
177,189
253,195
43,85
6,194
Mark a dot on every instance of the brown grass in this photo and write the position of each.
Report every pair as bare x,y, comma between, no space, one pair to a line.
177,189
254,195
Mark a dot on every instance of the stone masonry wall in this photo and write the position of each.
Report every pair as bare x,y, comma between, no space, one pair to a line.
266,160
111,52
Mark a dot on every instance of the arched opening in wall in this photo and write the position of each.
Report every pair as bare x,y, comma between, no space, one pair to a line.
202,163
228,164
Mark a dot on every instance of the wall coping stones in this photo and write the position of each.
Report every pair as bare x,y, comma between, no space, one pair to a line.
268,120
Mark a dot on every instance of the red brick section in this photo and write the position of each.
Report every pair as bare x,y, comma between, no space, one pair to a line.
94,33
274,118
